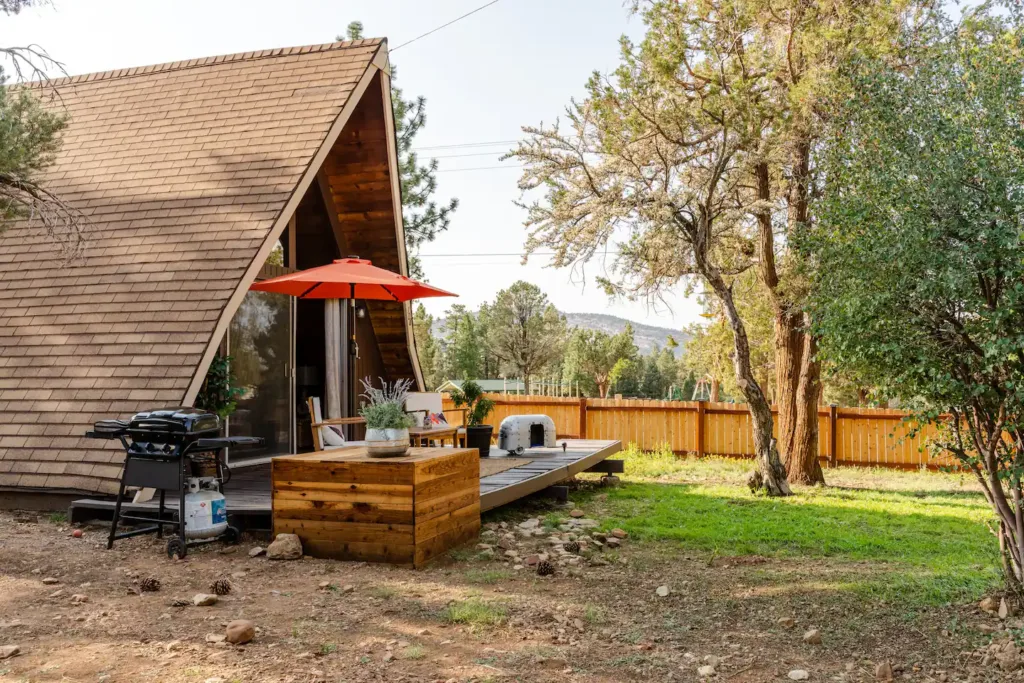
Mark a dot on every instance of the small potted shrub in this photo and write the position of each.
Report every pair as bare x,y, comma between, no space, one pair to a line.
387,424
478,434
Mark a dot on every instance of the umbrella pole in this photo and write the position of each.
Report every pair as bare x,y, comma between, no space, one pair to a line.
353,347
332,356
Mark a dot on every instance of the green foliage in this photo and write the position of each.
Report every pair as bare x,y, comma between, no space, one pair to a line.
422,216
472,397
590,356
463,344
527,332
426,347
919,252
385,407
219,393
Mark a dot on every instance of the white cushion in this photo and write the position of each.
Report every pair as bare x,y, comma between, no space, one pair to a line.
332,436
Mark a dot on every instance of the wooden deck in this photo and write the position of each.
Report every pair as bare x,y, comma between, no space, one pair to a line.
248,491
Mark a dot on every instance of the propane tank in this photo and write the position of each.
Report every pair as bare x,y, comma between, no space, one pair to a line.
206,514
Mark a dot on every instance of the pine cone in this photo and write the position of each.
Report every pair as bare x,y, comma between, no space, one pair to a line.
221,587
150,584
571,547
545,568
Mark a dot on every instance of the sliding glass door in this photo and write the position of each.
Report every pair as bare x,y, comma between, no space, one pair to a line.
260,345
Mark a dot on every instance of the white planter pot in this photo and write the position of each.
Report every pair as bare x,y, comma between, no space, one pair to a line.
387,443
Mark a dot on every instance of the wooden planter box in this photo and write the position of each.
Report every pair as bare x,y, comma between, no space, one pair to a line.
346,505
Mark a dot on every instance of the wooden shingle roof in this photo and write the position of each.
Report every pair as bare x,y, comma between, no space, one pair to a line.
182,171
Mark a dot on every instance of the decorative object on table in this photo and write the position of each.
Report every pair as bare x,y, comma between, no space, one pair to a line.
519,432
478,434
428,410
387,424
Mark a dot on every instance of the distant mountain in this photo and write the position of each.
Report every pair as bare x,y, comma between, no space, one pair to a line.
647,337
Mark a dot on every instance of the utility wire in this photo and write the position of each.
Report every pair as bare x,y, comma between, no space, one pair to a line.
467,144
517,254
475,168
445,25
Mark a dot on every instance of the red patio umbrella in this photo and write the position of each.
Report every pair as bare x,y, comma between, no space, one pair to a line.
347,278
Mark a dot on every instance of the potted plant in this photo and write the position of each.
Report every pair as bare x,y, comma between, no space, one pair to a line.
387,424
478,434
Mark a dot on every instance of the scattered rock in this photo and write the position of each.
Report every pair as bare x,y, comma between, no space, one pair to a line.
706,670
613,543
77,533
7,651
257,551
204,600
348,588
324,585
50,581
990,605
531,560
240,631
215,637
712,660
786,622
883,671
798,675
577,514
79,598
610,480
813,637
285,547
663,591
389,656
618,533
530,524
1004,609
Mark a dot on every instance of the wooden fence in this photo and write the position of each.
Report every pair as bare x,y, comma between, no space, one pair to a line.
847,436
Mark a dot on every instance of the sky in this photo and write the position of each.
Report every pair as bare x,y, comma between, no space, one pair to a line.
514,63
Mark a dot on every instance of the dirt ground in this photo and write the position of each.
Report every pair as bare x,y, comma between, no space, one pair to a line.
468,618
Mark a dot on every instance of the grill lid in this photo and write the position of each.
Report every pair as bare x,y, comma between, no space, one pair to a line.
176,420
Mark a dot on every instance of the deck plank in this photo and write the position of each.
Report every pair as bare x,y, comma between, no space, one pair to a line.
248,491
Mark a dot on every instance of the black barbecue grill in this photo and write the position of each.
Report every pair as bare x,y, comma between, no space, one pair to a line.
162,448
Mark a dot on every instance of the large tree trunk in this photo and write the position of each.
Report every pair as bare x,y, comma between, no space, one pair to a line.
798,386
771,474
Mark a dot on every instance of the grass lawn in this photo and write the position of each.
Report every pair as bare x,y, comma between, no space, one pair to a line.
907,538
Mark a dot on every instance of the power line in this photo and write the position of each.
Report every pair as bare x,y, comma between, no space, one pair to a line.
471,154
475,168
611,252
467,144
492,2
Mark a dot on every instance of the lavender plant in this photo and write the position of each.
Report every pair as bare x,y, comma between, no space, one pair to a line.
385,406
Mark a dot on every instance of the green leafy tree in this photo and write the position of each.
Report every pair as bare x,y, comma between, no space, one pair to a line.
527,333
471,396
590,356
918,256
426,347
463,345
627,376
423,217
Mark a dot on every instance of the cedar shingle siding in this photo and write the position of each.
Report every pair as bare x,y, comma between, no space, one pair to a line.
181,169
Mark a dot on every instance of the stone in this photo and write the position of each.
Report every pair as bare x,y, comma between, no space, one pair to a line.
7,651
240,631
813,637
990,605
257,551
883,671
324,585
712,660
79,598
506,543
530,524
204,599
215,637
706,671
486,555
577,514
348,588
610,480
531,560
663,591
285,547
618,533
1004,609
511,554
798,675
50,581
613,543
786,622
389,656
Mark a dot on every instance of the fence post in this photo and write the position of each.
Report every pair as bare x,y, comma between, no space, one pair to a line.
700,428
832,414
583,417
